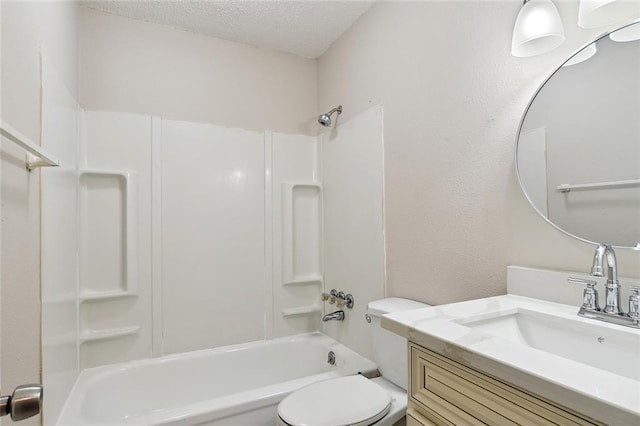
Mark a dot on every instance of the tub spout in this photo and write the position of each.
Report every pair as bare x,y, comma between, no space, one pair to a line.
337,315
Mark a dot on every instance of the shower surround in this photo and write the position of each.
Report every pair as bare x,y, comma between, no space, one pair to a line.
195,236
189,231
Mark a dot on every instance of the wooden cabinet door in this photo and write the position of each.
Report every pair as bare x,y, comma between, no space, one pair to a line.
447,392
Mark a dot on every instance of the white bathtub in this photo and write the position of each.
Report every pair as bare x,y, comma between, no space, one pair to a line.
234,385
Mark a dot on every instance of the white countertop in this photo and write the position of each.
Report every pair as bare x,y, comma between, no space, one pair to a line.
602,395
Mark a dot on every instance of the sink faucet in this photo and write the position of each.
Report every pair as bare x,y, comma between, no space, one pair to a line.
337,315
612,311
612,288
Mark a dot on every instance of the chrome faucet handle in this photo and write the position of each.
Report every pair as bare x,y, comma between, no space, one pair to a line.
634,302
340,299
332,296
589,283
590,294
350,301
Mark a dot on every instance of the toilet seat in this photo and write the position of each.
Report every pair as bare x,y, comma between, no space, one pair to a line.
350,400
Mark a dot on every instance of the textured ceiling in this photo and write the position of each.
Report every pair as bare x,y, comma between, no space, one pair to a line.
304,27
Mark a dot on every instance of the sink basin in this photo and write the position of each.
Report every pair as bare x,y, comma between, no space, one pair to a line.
599,346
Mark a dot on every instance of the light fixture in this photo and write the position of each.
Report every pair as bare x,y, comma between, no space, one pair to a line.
629,33
582,55
538,29
597,13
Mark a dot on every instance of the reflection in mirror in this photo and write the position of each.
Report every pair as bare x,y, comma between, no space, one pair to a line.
578,150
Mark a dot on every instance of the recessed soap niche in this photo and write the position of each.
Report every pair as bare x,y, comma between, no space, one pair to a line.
302,239
107,234
107,257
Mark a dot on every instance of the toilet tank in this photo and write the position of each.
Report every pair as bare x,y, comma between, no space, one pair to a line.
389,349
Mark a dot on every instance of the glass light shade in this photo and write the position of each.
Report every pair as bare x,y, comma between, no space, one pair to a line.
597,13
582,55
538,29
630,33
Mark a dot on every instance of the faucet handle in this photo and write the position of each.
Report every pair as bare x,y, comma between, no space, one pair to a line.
590,294
634,302
589,283
350,301
332,296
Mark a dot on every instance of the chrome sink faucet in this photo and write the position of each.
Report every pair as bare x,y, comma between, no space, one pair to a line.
612,311
612,288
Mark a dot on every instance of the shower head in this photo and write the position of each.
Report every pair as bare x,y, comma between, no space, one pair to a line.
325,119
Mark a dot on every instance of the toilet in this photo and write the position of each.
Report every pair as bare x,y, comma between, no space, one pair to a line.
356,400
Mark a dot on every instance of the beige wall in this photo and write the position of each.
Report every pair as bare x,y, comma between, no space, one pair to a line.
453,97
138,67
24,26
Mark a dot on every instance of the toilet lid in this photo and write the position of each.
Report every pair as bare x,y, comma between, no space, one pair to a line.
350,400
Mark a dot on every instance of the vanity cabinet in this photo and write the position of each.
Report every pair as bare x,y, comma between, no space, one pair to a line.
445,392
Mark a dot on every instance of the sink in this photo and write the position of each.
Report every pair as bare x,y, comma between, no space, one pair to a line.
599,346
544,347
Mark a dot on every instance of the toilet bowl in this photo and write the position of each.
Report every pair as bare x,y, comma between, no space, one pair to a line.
356,400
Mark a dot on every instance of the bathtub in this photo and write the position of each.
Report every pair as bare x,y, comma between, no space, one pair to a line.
234,385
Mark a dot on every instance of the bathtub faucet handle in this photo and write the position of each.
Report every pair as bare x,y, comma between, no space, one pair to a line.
349,301
325,297
332,296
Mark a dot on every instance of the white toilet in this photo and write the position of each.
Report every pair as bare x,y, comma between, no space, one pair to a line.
356,400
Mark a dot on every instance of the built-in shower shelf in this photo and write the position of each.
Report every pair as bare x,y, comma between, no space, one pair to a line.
60,341
302,310
308,184
69,297
301,232
105,172
113,333
309,279
105,295
108,231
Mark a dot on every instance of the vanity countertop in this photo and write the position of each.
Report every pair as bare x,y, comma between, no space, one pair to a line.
606,396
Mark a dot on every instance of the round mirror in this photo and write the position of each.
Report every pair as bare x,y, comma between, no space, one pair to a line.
578,148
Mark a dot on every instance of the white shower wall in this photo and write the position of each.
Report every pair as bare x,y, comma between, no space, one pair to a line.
294,164
212,236
354,247
213,203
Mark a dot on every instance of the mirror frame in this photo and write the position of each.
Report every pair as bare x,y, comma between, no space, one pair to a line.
524,116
